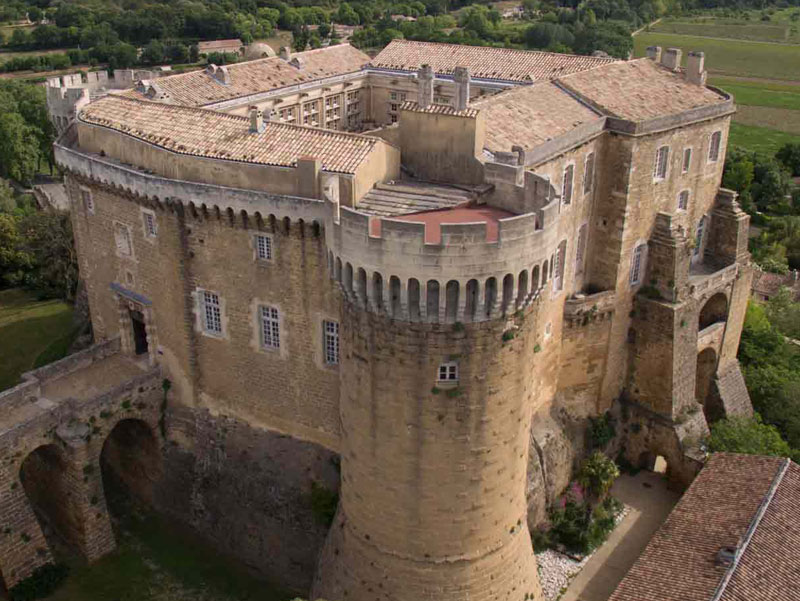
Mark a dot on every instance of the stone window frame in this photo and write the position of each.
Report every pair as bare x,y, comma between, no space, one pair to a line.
87,199
638,265
714,146
658,175
588,172
257,249
683,206
201,323
270,320
120,226
566,199
331,342
447,374
148,235
686,163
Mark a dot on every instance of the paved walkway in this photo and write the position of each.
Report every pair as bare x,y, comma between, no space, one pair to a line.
650,502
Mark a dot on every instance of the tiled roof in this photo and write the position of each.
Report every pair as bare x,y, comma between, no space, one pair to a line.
483,62
439,109
745,502
199,88
769,284
638,90
206,133
530,115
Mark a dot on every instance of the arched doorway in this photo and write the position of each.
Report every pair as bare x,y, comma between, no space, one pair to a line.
706,368
44,478
131,463
715,310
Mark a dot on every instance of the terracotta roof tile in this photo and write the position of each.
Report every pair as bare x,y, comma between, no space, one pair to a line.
638,90
199,88
530,115
769,284
483,62
206,133
719,509
439,109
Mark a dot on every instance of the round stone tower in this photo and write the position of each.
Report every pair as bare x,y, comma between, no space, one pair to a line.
436,371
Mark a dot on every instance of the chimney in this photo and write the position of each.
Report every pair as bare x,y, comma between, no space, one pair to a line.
671,58
256,120
223,75
425,86
461,77
695,71
654,53
285,53
297,62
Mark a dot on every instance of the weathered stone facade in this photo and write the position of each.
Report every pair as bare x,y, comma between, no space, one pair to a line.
448,358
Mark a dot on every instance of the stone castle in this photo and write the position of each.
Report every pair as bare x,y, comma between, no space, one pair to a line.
411,280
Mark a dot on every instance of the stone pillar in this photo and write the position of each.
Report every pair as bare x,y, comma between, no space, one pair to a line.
425,86
727,243
667,259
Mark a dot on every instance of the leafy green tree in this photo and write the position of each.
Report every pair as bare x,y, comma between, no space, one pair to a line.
789,155
19,147
346,15
47,238
597,474
13,261
748,435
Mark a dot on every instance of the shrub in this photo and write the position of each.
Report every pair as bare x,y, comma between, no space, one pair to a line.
41,583
597,474
601,430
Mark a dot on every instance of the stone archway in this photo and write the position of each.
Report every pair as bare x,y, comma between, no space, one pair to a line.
131,462
45,480
714,310
706,368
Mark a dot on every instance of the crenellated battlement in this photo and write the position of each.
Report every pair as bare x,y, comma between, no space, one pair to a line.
439,271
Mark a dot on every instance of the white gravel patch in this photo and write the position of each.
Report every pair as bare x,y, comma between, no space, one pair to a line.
557,570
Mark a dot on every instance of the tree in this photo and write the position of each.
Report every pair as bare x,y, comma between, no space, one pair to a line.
13,261
47,238
153,54
597,474
747,435
194,53
346,15
789,155
19,147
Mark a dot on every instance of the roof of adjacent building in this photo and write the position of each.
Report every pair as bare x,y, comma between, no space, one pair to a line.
530,115
439,109
206,133
482,62
212,45
769,284
744,502
200,88
638,90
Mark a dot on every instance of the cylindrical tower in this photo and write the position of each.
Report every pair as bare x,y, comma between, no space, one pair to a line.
436,415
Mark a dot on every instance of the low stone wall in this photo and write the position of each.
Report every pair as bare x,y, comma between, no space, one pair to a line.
78,360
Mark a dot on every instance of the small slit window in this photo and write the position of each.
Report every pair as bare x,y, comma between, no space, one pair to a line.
263,244
569,173
588,173
448,372
714,147
270,328
330,344
660,166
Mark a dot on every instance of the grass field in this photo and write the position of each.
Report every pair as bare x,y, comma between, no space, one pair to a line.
32,333
7,56
760,93
731,57
156,561
761,139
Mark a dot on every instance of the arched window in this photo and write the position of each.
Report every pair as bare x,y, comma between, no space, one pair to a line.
413,299
471,304
508,290
361,290
491,295
522,287
451,293
535,279
432,300
544,272
638,264
394,294
348,277
377,291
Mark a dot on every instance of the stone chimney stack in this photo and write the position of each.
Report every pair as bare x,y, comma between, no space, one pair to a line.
654,53
285,53
671,58
461,77
425,86
256,120
695,68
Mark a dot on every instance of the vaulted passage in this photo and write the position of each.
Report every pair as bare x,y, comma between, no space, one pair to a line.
715,310
706,368
131,462
45,480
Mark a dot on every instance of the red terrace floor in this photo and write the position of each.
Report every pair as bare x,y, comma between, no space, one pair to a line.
434,219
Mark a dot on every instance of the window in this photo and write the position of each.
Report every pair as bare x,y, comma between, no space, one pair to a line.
557,266
263,247
149,220
637,264
713,149
698,237
88,201
580,249
393,118
687,160
683,200
330,330
443,100
660,167
566,196
588,173
270,328
122,237
211,312
448,372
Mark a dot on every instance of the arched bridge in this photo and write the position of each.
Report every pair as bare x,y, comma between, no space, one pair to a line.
66,432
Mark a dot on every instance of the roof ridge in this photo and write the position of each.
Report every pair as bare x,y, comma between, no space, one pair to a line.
754,523
501,48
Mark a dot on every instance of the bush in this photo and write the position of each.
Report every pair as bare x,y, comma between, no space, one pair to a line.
597,474
601,430
42,583
578,527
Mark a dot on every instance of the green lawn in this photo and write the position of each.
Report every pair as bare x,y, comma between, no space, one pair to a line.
731,57
758,93
32,333
724,28
156,561
761,139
